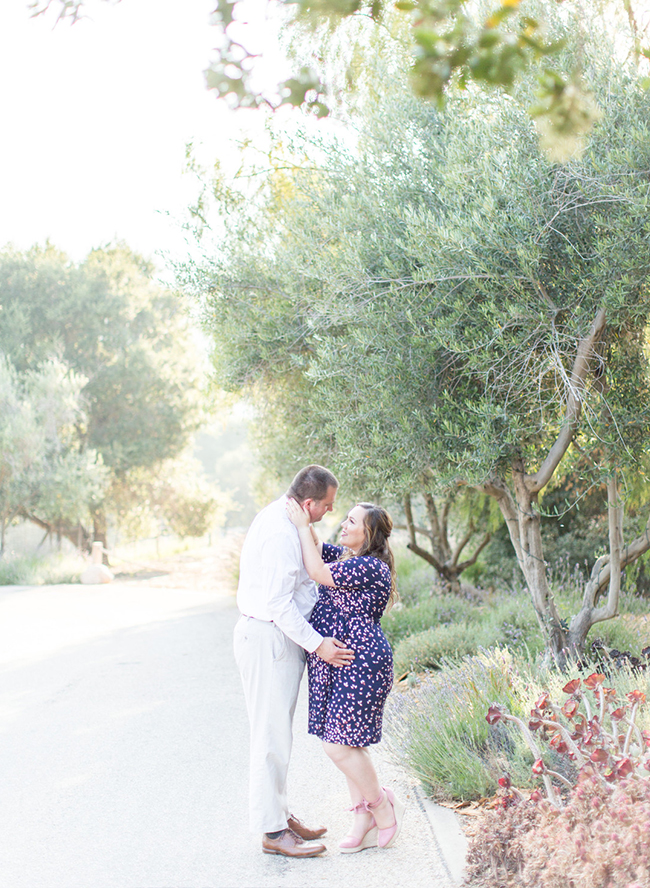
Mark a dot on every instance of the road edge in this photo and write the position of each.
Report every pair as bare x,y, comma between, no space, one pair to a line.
448,836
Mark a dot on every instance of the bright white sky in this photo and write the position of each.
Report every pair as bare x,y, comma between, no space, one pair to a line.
95,118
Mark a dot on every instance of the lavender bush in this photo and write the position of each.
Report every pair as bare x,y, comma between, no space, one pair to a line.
439,731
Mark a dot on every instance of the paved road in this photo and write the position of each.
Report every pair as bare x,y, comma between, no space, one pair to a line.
123,751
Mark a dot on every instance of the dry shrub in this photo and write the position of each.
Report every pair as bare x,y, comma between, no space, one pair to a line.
600,839
496,855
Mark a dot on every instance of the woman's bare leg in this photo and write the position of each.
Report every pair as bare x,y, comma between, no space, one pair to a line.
356,764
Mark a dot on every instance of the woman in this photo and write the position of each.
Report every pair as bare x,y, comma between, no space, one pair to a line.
346,704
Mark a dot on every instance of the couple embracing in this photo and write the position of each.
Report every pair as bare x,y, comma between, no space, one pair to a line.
285,620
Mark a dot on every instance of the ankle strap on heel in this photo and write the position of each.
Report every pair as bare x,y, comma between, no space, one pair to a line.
370,805
357,809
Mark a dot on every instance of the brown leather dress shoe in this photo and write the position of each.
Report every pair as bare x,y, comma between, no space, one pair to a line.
309,835
289,844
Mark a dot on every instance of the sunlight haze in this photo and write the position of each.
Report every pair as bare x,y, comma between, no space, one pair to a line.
95,119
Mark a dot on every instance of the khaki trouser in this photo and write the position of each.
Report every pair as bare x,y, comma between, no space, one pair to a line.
271,666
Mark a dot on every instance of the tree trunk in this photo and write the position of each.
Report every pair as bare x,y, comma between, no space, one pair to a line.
524,527
534,566
523,522
606,573
519,507
442,557
5,522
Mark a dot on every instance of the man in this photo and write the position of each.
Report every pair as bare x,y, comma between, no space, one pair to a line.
276,598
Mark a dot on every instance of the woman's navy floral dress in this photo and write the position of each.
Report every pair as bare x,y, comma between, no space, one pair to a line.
346,703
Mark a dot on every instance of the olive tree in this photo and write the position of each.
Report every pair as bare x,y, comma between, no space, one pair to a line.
440,306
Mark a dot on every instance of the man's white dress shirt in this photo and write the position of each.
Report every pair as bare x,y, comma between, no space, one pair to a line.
273,583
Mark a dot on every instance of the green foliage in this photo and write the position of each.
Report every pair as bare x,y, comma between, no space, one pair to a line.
17,572
110,387
431,648
491,44
229,462
106,320
439,729
410,309
625,633
416,321
35,570
427,630
458,632
415,580
174,496
43,467
438,610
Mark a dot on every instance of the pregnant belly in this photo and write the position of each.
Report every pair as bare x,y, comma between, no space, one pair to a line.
362,634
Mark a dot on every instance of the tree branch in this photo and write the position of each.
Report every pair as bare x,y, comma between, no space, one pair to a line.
444,519
461,545
496,488
616,561
422,530
540,479
432,514
69,532
601,571
428,557
470,561
408,512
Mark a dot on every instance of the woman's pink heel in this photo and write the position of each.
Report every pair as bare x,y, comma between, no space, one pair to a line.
387,836
351,844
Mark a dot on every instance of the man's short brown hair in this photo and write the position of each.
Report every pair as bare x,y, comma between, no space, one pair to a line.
312,482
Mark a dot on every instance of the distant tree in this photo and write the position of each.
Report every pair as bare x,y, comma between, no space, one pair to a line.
173,497
130,341
446,537
443,308
45,476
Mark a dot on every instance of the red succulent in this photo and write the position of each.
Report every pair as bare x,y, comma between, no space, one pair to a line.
595,679
599,755
570,708
572,686
558,743
624,767
494,715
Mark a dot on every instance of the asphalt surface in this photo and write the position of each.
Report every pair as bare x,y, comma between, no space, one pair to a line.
123,751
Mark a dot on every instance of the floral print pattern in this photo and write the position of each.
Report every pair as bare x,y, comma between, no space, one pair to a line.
346,704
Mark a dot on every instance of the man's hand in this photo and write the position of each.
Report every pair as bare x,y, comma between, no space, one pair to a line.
334,652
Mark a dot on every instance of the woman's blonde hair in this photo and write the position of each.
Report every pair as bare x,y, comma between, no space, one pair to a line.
378,526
